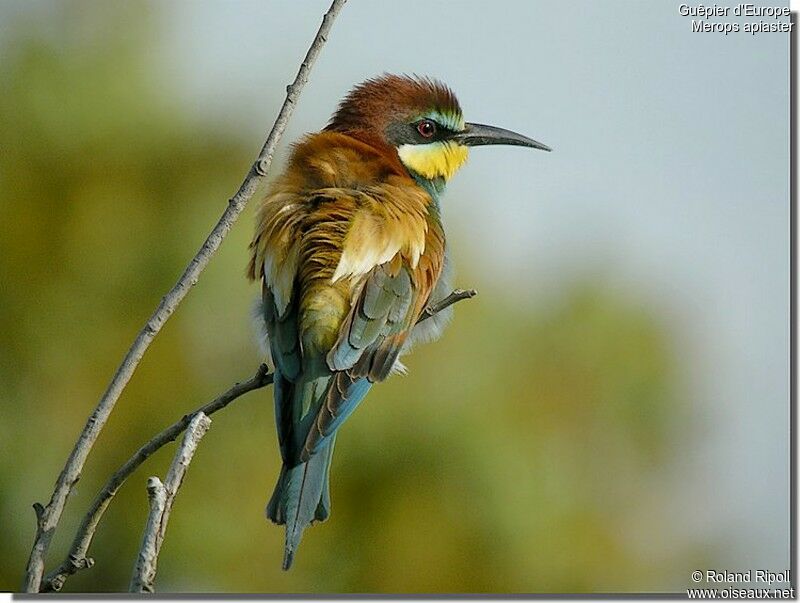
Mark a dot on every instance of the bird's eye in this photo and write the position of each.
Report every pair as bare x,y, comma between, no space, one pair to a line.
426,128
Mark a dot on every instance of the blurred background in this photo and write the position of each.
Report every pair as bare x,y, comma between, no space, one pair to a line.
609,414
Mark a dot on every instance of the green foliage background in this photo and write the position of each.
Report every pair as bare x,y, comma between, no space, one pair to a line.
527,451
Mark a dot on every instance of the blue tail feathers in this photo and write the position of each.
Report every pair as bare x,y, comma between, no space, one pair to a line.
301,497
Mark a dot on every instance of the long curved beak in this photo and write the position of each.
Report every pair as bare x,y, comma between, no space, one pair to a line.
474,135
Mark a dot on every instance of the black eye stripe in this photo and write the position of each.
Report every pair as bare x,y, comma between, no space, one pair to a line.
399,133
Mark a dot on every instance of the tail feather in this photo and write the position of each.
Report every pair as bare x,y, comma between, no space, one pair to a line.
324,507
301,497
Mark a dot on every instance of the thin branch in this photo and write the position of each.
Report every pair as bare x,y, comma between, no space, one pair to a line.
456,296
162,497
144,572
76,559
49,516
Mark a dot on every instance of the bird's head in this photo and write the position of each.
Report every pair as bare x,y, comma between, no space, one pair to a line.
422,120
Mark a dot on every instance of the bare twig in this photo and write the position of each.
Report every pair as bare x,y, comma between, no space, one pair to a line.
456,296
76,559
47,517
162,497
144,572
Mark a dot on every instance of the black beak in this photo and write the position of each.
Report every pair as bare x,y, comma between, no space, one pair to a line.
474,135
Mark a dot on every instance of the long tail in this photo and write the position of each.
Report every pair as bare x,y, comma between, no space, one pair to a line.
302,496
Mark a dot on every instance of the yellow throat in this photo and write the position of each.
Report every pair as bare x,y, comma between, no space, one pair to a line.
434,160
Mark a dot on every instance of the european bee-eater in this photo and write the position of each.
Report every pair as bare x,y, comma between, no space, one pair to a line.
349,248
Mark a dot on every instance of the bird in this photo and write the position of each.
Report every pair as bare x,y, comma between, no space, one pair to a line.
349,249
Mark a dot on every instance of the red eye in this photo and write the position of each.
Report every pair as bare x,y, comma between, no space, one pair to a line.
426,128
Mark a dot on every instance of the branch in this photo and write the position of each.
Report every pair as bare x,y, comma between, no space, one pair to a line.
456,296
48,517
162,497
76,559
144,572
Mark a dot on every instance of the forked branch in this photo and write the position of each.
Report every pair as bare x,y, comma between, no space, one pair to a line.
162,497
77,558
